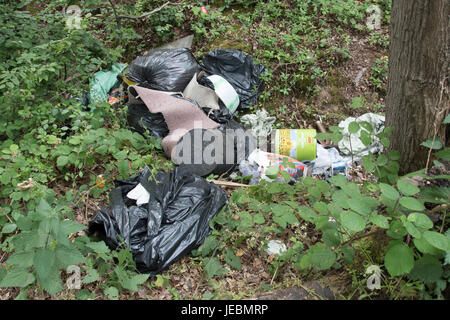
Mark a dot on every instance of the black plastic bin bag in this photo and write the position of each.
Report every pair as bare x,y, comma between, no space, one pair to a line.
174,221
164,69
239,70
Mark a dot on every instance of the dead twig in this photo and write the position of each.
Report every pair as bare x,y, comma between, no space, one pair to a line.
228,183
4,213
146,14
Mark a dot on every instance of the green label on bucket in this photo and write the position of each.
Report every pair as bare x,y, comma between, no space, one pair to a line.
299,144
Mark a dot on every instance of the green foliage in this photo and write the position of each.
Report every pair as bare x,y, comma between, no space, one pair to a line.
379,74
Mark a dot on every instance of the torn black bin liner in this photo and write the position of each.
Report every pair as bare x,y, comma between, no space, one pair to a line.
140,119
238,69
164,69
174,222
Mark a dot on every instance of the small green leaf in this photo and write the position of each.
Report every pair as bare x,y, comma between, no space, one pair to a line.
17,277
321,257
43,208
427,269
412,230
420,220
272,172
389,192
112,293
213,267
399,260
352,221
9,227
91,276
353,127
444,154
407,188
232,260
62,161
411,204
437,240
379,220
430,144
43,261
98,247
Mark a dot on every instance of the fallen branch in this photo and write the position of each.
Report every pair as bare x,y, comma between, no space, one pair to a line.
146,14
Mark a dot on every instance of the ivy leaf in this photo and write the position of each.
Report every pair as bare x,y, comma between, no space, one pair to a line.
407,188
352,221
17,277
399,260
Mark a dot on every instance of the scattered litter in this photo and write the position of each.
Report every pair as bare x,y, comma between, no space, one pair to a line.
205,97
352,143
329,162
299,144
261,164
164,70
239,70
275,247
100,181
225,92
260,123
359,76
103,82
139,194
173,222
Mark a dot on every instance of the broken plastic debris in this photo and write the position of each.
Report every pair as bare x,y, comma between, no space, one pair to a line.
139,194
275,247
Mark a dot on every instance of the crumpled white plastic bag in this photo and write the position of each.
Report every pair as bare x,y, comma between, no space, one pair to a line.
357,147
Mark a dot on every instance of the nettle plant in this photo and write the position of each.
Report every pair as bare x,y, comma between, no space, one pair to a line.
45,249
322,223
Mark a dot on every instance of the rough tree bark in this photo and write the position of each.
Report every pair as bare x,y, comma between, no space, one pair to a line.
417,96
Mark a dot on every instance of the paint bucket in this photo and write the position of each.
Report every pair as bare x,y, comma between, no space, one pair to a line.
299,144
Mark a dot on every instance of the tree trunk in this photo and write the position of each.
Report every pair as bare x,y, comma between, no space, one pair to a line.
417,97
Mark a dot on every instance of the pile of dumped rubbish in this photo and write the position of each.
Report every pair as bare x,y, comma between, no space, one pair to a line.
192,107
